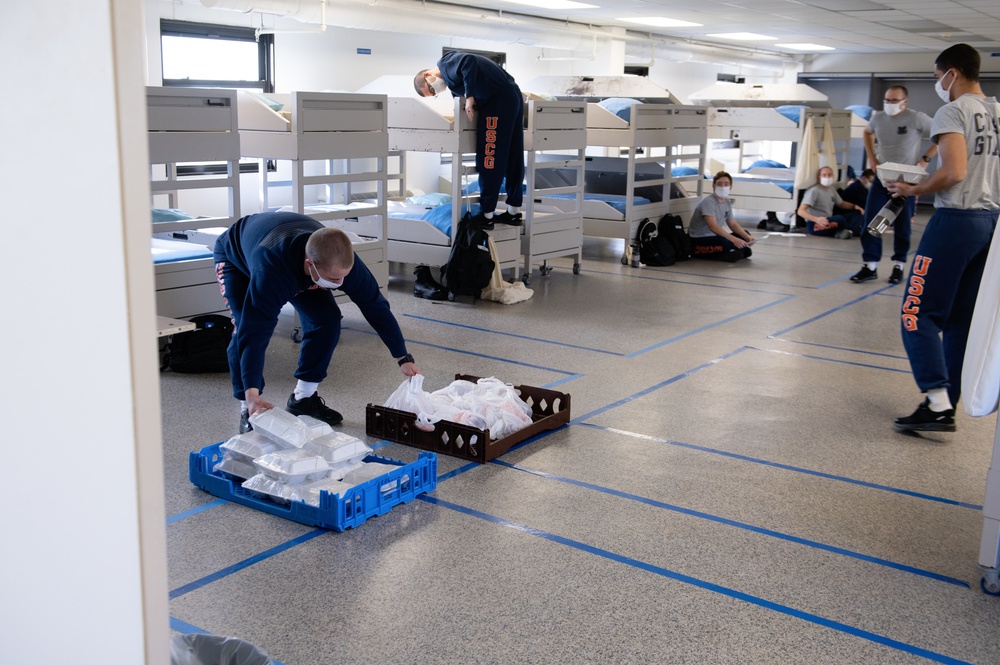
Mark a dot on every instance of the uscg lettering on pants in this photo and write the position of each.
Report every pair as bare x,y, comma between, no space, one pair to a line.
491,142
915,289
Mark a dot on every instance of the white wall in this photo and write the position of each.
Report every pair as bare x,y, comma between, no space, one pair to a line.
84,557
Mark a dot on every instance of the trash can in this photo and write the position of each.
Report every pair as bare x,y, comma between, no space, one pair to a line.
202,649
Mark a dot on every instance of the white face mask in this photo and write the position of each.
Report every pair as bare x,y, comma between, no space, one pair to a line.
826,181
320,282
944,94
437,85
892,109
722,192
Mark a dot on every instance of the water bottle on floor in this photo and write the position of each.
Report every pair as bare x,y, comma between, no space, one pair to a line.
886,216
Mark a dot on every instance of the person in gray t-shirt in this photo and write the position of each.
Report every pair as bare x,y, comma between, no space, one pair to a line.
944,280
714,233
817,208
893,135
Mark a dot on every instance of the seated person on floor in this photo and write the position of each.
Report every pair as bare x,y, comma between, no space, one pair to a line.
714,232
856,191
817,208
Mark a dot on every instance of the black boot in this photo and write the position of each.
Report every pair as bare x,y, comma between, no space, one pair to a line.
772,223
426,286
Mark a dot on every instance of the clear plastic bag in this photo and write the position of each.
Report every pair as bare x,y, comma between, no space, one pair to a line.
309,493
249,446
293,466
281,427
337,448
235,467
370,470
203,649
317,427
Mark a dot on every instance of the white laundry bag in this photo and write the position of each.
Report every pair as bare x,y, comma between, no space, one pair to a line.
981,370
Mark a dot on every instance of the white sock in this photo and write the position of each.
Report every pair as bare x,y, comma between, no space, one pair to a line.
872,266
513,210
938,398
305,389
899,265
243,406
488,215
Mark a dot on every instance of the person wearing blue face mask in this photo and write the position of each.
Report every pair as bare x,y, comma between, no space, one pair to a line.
268,259
715,233
943,283
895,134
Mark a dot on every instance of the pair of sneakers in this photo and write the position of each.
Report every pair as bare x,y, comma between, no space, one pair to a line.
307,406
866,274
488,224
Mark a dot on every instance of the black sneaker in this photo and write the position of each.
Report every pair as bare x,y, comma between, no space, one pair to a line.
844,234
897,275
245,425
480,222
426,286
925,420
866,274
313,406
509,219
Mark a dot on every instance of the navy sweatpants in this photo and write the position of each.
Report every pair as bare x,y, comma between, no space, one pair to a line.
850,220
500,149
871,246
941,295
318,313
718,248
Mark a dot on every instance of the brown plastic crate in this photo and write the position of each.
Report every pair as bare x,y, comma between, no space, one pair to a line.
550,409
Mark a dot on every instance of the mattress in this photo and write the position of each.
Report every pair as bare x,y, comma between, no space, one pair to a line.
172,251
616,201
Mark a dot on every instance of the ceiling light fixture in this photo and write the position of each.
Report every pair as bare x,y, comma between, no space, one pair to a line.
553,4
742,36
660,22
806,47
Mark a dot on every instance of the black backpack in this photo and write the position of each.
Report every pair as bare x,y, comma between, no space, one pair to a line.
671,231
470,265
654,248
201,350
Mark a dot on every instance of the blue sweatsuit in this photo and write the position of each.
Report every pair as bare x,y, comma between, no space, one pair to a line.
500,123
871,246
259,263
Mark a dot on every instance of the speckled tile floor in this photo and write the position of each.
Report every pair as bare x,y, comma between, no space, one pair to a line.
729,490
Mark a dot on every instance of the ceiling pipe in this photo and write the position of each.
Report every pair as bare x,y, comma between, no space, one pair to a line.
447,20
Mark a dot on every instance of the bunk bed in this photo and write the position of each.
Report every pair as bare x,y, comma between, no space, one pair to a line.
437,126
555,140
638,136
332,145
757,121
189,126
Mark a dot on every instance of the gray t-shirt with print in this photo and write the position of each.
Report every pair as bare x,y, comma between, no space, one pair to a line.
899,138
712,207
821,200
976,119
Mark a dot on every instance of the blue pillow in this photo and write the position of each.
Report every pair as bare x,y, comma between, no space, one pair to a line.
792,112
440,217
862,110
169,215
765,164
683,170
620,106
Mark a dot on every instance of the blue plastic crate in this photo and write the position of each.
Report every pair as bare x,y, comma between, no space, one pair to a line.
336,513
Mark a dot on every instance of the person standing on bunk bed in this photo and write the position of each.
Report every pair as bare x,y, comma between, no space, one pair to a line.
895,134
714,232
944,279
268,259
818,204
491,91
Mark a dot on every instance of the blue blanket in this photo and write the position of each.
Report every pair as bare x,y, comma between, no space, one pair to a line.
439,216
620,106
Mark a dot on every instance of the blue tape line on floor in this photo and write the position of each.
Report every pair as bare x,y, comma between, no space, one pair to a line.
702,584
185,628
246,563
838,348
786,467
196,510
741,525
507,334
829,312
832,360
708,327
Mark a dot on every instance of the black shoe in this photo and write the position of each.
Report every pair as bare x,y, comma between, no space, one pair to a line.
796,229
245,425
925,420
426,286
897,275
313,406
866,274
509,219
777,226
480,222
844,234
762,224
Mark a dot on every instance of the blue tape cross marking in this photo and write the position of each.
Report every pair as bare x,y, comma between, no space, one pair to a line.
832,311
701,584
246,563
786,467
195,510
740,525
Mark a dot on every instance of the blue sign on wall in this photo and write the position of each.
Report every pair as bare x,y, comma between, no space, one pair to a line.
364,51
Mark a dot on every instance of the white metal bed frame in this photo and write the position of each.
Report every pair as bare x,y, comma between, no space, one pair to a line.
346,135
191,125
